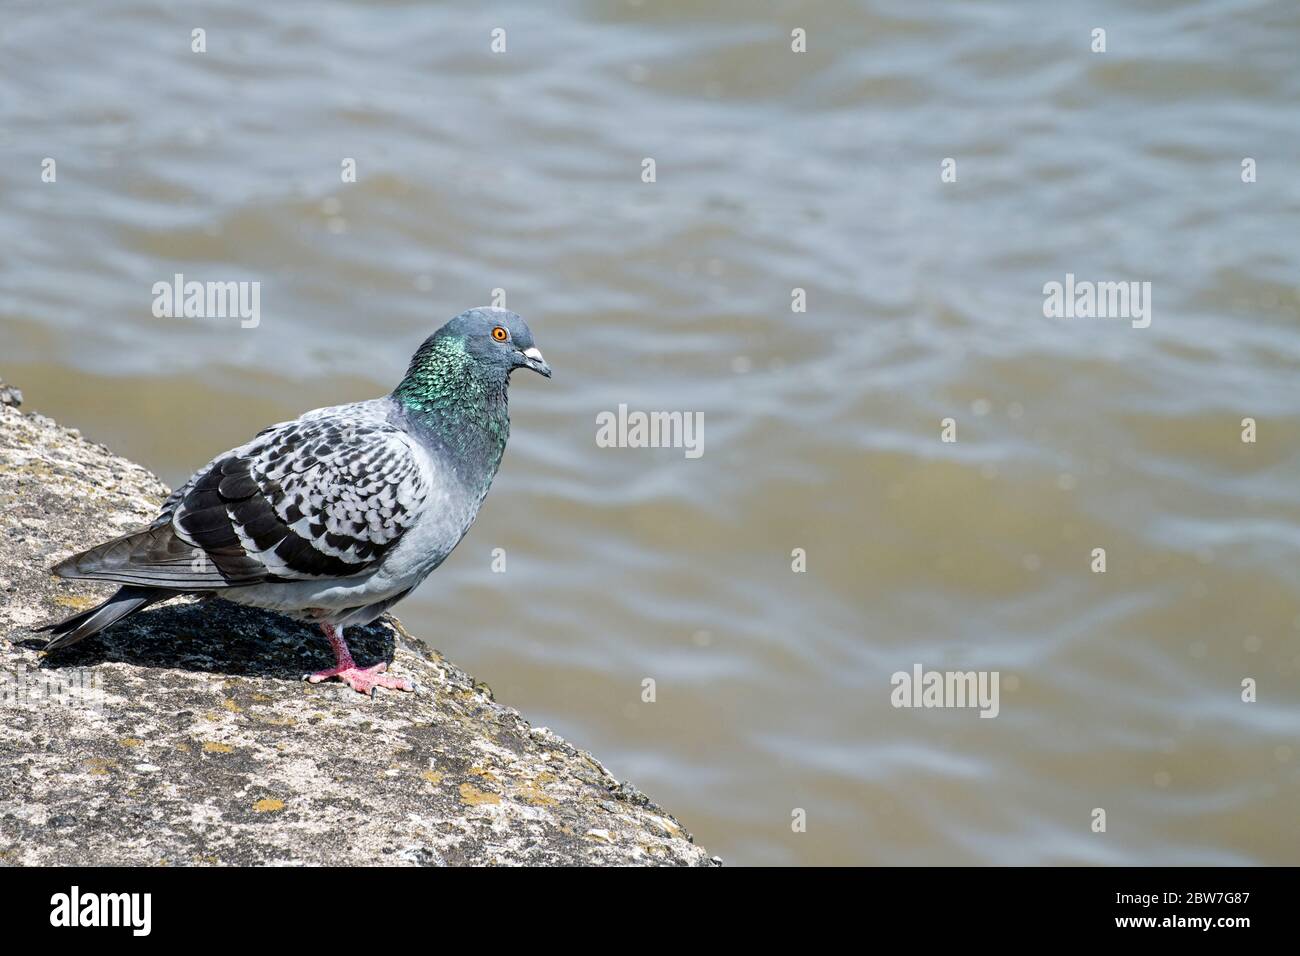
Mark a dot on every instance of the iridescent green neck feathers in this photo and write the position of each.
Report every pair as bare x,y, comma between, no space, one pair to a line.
459,399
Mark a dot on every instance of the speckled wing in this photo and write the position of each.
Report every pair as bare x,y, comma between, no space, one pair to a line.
317,498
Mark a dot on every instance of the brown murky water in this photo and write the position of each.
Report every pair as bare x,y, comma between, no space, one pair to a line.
775,170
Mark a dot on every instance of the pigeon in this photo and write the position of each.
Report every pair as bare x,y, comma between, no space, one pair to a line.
337,515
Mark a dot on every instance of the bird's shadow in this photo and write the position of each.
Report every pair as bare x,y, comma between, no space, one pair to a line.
222,638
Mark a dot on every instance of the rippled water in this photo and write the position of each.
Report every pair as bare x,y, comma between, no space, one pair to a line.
775,171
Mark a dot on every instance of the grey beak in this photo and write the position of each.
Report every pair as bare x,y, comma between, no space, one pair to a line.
533,359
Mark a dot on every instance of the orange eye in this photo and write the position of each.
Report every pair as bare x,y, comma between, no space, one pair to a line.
500,334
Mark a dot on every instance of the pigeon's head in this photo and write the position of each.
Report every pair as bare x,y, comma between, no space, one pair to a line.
469,357
497,338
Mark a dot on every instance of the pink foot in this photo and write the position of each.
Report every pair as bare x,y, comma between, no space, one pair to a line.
363,680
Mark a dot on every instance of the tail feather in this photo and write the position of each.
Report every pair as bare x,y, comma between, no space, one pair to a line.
126,601
154,557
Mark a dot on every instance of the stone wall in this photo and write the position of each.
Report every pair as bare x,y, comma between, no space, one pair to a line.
185,735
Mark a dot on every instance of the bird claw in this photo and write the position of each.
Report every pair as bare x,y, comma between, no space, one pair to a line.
363,680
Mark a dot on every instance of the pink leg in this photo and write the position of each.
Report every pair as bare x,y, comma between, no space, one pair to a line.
363,680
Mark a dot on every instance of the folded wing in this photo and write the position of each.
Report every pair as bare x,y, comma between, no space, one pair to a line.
316,498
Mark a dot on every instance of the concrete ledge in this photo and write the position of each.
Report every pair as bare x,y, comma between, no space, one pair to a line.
186,735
